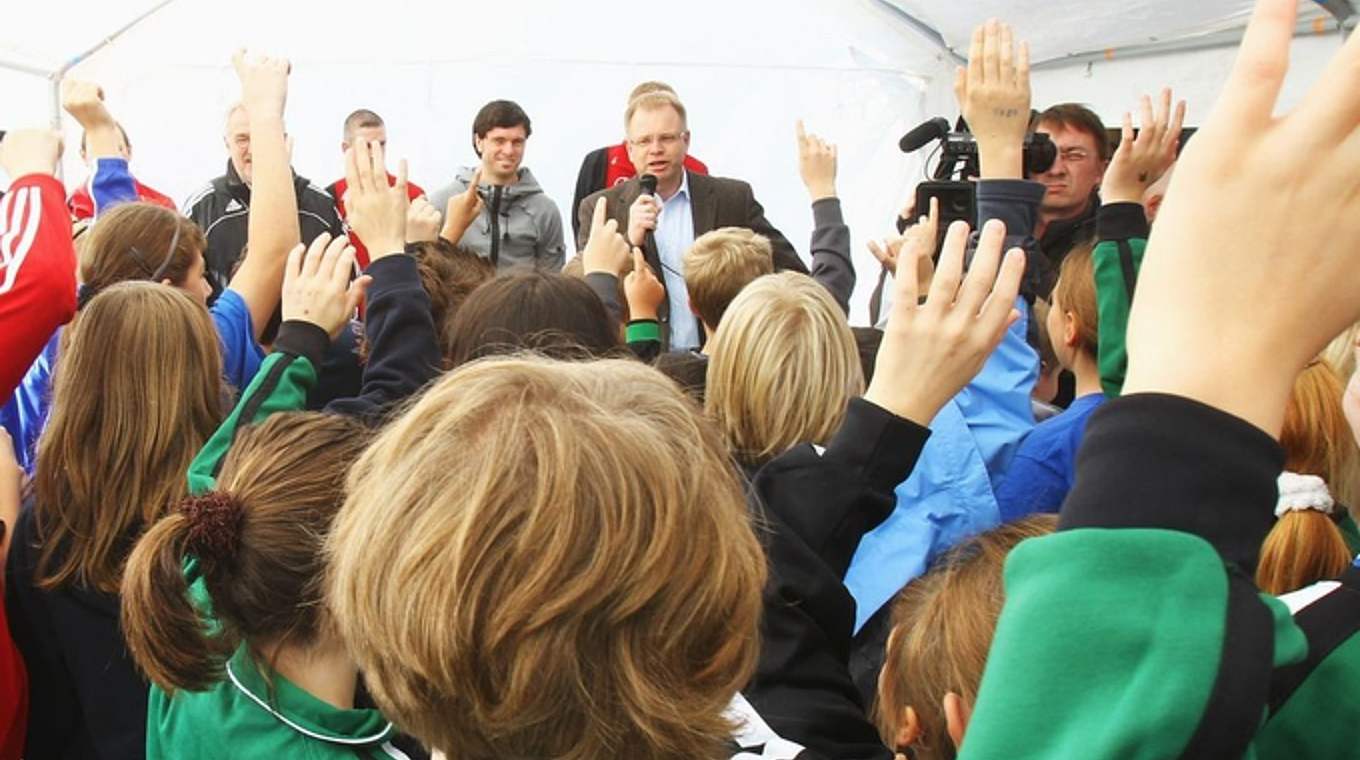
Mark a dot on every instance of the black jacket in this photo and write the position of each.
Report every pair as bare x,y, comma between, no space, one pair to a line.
86,698
222,209
1060,238
816,506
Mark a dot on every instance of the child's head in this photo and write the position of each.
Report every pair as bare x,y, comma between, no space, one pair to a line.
943,624
719,265
782,367
258,540
449,274
137,392
552,314
1073,319
1305,545
517,576
143,241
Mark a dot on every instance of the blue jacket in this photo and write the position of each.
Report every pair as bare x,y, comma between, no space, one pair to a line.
950,494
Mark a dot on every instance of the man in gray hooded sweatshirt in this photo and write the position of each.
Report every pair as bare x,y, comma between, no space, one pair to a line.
518,226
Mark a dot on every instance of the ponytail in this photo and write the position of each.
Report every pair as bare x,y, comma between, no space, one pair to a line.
166,632
1305,546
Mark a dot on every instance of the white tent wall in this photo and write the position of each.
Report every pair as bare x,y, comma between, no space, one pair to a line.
25,101
1112,87
852,70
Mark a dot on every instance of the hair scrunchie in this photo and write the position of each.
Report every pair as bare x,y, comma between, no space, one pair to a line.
1302,492
214,524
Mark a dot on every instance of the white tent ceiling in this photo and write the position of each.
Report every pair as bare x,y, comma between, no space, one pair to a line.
860,72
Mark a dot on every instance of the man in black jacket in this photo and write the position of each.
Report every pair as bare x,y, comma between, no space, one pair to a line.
1067,216
221,208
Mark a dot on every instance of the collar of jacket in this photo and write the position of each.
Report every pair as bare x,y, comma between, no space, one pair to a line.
302,712
1063,233
239,190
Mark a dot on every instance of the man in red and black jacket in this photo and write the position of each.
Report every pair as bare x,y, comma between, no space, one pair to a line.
363,124
610,166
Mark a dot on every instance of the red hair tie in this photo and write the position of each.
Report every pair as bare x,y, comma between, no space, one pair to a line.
214,524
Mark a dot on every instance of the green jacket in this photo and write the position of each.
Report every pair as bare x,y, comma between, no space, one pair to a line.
1122,231
246,716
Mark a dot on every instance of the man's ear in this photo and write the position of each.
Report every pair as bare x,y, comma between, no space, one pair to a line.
957,713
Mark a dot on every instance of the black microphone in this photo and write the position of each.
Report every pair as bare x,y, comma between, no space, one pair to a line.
648,183
922,135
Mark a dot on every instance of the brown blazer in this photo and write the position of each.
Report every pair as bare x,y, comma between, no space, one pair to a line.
716,202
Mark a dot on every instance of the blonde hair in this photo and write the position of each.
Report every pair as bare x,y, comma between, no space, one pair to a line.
943,623
1306,546
517,577
782,367
1075,293
652,101
719,265
649,87
137,392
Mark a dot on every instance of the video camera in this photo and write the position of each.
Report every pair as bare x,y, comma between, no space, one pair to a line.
951,185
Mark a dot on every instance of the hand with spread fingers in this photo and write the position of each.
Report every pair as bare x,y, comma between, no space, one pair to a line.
1235,295
317,286
918,243
994,94
643,290
377,210
932,349
462,210
1142,160
606,250
816,164
422,221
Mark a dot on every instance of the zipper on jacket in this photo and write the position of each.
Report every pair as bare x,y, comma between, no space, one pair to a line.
495,211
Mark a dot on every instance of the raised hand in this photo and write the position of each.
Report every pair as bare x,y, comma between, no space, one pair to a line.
642,289
994,95
462,210
85,102
606,250
1142,160
377,210
919,242
1235,295
816,164
931,350
264,83
422,221
316,284
30,151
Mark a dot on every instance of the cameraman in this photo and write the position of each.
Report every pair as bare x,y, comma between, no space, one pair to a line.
1067,216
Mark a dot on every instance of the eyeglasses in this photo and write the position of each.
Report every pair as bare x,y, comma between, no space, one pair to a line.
158,273
1074,155
665,140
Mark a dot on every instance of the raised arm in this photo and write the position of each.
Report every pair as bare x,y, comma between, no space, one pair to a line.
110,181
1122,226
37,259
273,226
831,264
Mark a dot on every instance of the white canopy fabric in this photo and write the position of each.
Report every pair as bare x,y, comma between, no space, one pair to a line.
859,72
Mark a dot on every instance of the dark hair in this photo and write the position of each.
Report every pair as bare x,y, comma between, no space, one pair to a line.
499,113
361,118
1082,119
449,273
552,314
126,140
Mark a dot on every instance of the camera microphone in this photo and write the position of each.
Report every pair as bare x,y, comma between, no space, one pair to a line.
924,134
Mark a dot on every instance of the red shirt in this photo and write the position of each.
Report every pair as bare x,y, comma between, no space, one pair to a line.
82,205
37,273
337,191
621,169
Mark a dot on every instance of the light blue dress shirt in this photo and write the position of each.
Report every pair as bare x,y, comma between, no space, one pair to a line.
674,236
